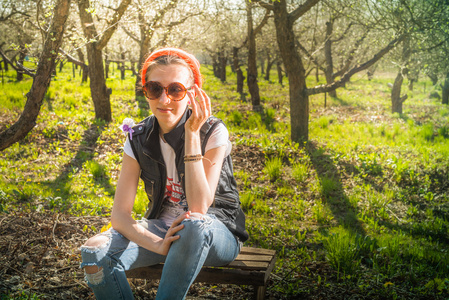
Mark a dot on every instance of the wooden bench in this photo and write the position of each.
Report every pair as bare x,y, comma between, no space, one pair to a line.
253,266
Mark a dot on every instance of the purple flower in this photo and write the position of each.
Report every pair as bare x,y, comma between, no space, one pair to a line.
127,126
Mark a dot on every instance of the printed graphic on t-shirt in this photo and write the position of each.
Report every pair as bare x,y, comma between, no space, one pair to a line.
175,202
173,191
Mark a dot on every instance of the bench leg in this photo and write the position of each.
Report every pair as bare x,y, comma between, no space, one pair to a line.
260,292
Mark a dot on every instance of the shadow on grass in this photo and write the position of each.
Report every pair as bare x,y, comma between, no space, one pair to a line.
333,193
86,152
339,100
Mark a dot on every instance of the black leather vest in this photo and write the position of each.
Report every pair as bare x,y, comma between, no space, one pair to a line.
147,150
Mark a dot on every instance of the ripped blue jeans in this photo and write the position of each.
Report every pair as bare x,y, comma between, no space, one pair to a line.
204,241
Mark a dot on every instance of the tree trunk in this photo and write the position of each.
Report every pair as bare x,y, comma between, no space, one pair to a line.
84,69
445,87
238,70
5,65
262,65
279,70
106,64
21,59
433,77
215,65
299,93
41,81
144,47
253,86
299,101
371,71
122,64
410,84
122,70
270,63
133,68
99,92
98,89
222,63
328,54
396,99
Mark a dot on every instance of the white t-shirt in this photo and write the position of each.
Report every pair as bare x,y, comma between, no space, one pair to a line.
175,202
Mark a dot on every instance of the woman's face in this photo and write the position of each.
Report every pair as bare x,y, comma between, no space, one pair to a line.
169,112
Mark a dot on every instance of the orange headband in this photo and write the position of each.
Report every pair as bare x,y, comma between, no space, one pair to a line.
193,63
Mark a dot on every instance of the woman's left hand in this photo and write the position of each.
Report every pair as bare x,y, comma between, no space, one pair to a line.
201,109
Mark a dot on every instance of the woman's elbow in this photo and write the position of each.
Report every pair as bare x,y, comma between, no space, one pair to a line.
116,220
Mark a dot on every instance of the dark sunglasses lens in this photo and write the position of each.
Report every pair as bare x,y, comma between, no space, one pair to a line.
176,91
153,90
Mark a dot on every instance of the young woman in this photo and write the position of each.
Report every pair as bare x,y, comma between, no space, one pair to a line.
181,153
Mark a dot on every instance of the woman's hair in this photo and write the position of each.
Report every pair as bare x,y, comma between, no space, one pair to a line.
167,56
167,60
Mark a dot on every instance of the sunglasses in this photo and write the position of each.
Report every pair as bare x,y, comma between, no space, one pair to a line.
175,91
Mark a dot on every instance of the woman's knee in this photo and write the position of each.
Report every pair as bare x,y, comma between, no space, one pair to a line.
96,242
89,253
195,229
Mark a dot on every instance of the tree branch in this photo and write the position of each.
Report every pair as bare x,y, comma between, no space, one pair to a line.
107,34
432,47
179,22
4,18
265,5
403,98
263,22
72,59
302,9
131,35
160,15
19,68
310,56
258,28
350,56
345,78
25,70
170,26
344,33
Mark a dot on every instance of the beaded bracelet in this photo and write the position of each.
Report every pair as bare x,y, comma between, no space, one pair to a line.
196,157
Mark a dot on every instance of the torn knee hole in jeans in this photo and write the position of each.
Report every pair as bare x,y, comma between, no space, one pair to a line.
96,243
96,277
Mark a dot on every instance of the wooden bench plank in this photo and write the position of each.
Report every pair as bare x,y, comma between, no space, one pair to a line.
248,265
270,268
247,257
252,266
257,251
207,275
231,276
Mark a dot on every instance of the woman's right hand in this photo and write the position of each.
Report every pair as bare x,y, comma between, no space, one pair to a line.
170,236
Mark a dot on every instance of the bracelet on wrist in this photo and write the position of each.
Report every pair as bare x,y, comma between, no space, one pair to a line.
196,157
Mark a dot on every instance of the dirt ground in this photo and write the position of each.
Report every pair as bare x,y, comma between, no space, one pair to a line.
39,254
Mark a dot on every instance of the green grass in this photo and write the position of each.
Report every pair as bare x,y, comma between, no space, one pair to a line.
273,168
363,207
